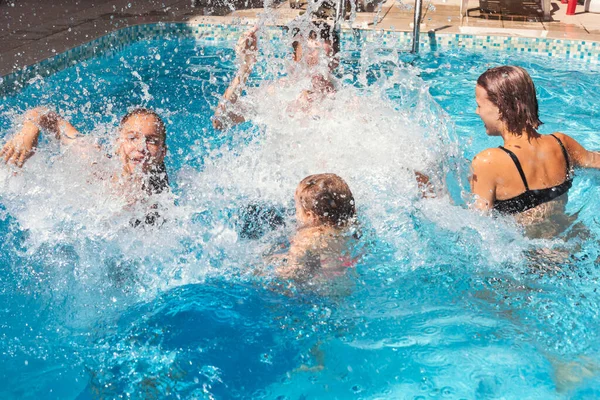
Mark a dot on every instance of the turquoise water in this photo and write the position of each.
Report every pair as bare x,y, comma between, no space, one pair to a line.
443,304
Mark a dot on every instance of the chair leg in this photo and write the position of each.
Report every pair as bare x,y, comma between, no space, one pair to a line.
546,8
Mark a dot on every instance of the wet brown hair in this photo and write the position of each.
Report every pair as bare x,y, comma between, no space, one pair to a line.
511,89
328,197
159,123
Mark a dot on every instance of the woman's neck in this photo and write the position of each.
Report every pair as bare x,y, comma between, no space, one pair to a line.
513,139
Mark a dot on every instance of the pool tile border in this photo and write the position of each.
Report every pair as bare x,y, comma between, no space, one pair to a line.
583,51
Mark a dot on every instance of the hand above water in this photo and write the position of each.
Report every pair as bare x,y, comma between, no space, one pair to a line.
21,146
245,51
247,46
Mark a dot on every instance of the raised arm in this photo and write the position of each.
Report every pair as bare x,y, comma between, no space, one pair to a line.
580,157
246,53
22,145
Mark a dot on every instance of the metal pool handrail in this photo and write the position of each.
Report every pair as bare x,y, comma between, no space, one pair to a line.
340,13
417,26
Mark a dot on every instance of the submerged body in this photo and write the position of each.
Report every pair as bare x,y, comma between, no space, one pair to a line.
318,253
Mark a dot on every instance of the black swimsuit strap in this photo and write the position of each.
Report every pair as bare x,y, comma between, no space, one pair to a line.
565,153
518,165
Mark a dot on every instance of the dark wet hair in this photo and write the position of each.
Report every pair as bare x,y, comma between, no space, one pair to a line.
511,89
160,125
323,31
328,197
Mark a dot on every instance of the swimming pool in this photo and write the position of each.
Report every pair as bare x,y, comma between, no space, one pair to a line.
444,303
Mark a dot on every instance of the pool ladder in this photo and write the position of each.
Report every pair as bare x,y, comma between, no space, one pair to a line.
340,12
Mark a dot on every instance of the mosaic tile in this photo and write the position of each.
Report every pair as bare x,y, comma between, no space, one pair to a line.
350,40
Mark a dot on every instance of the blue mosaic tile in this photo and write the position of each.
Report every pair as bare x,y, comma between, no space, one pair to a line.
227,34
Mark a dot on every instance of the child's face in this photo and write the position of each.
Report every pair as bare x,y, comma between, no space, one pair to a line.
312,51
139,143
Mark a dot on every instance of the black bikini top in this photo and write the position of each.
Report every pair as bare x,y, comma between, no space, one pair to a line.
533,198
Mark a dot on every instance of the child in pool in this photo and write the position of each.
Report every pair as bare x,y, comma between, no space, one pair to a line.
325,213
140,146
314,46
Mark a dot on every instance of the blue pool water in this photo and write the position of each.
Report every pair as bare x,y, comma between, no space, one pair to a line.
444,303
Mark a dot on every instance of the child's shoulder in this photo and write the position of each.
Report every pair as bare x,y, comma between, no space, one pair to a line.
315,234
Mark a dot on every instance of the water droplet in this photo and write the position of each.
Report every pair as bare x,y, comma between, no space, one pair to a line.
157,57
266,358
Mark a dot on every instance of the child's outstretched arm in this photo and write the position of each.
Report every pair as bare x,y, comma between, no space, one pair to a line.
246,53
22,145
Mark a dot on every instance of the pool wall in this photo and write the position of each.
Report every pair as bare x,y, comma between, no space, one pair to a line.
580,50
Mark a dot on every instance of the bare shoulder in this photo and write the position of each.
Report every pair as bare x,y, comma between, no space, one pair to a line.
486,164
564,138
561,136
488,157
306,237
573,147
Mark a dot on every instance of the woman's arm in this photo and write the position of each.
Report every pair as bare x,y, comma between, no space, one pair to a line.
22,145
580,157
246,51
483,181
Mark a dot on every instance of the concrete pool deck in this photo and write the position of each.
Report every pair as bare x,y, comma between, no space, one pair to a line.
31,32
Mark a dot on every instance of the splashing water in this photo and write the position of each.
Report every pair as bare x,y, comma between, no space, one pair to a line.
439,305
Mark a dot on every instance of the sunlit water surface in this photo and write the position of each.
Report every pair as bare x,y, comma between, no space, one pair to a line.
444,303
